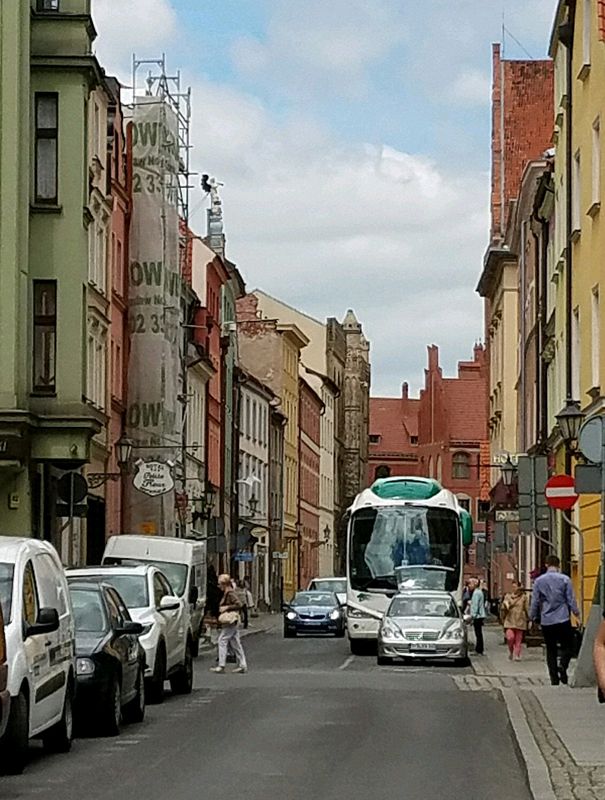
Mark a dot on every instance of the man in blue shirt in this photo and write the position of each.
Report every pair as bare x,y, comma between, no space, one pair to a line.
553,602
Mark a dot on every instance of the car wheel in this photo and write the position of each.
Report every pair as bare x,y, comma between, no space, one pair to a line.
383,661
135,710
111,714
58,739
155,686
14,745
182,681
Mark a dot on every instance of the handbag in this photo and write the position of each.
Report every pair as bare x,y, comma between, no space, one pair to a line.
228,618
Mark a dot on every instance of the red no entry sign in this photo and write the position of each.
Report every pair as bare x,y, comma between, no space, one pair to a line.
560,492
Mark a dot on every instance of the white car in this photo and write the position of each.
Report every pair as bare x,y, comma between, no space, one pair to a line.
336,585
39,628
167,637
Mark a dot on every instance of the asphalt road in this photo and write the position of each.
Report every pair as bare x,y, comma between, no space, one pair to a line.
308,721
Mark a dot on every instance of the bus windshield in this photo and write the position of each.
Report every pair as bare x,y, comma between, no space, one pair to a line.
385,539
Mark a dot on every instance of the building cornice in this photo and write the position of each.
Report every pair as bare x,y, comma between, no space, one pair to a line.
493,264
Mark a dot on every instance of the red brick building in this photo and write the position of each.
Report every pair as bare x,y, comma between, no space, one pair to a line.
441,435
310,411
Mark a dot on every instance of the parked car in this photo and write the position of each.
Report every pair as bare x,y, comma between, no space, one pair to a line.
422,625
4,695
166,637
336,585
314,612
39,631
183,562
110,661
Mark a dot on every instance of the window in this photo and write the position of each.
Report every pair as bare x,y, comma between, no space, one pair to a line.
46,111
465,502
30,596
51,593
382,471
596,161
248,426
374,438
576,188
575,353
45,336
47,5
96,362
595,339
413,440
461,466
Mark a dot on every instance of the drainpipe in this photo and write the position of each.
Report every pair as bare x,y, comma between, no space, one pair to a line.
523,336
566,36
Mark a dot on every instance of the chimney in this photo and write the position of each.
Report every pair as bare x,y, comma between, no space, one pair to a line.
479,353
404,390
433,358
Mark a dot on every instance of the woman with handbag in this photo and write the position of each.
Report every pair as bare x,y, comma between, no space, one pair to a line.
514,615
228,619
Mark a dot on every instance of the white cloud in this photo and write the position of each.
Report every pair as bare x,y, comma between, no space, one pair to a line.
471,87
142,27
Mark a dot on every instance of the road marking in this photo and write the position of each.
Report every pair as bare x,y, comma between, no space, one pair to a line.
347,662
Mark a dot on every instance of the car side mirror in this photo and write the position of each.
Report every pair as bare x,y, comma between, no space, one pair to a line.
130,628
47,622
169,603
193,595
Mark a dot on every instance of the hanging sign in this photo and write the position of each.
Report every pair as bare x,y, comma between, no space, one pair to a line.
153,478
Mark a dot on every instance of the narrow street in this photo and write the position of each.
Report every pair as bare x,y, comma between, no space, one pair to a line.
308,721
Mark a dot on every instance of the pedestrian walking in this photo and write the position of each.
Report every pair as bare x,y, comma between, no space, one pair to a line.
514,615
478,614
553,603
228,620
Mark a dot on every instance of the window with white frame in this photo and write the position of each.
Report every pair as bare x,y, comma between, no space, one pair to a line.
596,161
96,361
595,347
97,248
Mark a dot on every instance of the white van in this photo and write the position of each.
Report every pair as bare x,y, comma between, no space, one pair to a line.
39,630
183,562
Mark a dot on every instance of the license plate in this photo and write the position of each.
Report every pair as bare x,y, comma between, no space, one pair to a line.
423,646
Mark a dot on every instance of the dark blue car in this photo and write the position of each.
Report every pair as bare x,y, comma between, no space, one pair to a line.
314,612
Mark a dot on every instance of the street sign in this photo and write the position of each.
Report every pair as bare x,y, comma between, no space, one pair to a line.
589,439
560,492
244,557
278,555
507,515
532,475
588,479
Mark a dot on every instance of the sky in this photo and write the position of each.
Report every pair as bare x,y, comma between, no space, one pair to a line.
353,141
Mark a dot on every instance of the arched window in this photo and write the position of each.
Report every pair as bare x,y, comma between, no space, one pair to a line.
382,471
461,466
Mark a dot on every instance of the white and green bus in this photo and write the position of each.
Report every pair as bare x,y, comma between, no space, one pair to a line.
402,533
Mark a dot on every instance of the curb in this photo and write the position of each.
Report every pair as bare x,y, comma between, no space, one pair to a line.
532,760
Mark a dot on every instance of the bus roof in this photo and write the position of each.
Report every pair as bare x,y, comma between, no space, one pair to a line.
406,490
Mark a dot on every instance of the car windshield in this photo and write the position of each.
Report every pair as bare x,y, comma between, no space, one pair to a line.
334,585
386,538
89,611
422,607
6,590
313,599
131,588
176,573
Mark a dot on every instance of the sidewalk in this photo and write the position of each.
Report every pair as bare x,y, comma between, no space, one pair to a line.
560,731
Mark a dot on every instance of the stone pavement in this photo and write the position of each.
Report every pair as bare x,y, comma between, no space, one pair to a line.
560,731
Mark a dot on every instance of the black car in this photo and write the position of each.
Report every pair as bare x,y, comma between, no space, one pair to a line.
314,612
110,662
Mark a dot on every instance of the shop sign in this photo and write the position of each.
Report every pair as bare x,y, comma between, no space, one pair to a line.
153,478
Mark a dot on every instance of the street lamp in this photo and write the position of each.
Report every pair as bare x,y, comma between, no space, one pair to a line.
204,503
508,471
326,534
123,451
123,448
569,420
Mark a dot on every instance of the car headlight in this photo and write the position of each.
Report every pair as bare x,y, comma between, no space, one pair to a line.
391,631
355,612
335,614
455,632
291,615
84,666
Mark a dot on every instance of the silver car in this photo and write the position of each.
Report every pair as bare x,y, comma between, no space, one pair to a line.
423,625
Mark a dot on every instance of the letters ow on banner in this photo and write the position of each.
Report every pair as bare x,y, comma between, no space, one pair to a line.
154,298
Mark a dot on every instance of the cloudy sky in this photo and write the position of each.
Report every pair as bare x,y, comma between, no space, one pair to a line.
352,137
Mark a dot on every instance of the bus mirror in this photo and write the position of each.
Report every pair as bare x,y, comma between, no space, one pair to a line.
467,528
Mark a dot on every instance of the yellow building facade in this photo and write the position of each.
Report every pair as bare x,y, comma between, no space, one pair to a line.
584,325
